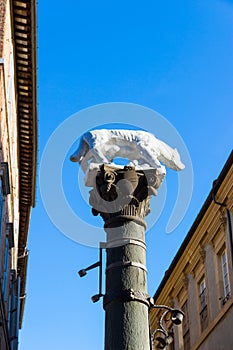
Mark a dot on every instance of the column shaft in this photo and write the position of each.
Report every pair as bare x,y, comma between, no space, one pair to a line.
126,325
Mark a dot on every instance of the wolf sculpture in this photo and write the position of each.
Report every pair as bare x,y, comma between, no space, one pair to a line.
140,147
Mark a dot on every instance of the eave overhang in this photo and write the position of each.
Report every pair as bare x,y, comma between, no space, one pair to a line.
25,49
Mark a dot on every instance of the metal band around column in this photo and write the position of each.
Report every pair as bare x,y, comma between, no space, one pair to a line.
126,264
123,241
126,296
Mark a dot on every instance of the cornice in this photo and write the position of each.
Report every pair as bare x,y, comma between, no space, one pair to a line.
23,15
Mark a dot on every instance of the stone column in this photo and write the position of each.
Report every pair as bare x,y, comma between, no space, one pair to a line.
178,331
194,316
122,197
211,280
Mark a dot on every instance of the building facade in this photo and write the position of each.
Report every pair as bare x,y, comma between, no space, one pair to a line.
18,152
199,280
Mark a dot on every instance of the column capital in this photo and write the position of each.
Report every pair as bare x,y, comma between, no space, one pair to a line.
122,194
185,280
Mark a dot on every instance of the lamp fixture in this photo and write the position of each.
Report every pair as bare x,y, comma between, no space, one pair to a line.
176,316
83,273
163,339
96,297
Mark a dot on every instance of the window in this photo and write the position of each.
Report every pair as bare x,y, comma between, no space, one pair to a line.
203,304
225,275
4,175
14,310
1,205
4,188
6,268
185,324
9,243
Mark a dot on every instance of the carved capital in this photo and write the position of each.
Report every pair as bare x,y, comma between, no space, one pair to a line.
202,254
223,221
123,194
185,280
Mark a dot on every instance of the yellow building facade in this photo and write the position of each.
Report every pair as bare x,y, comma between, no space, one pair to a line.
18,152
199,280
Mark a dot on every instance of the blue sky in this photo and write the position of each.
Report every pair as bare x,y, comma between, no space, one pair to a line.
174,57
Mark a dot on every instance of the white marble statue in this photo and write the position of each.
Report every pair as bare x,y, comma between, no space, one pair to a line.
141,148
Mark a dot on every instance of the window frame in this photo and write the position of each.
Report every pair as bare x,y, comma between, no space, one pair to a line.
185,326
225,276
2,200
203,304
6,270
4,190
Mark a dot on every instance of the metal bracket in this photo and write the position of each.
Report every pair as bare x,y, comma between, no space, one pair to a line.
126,296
